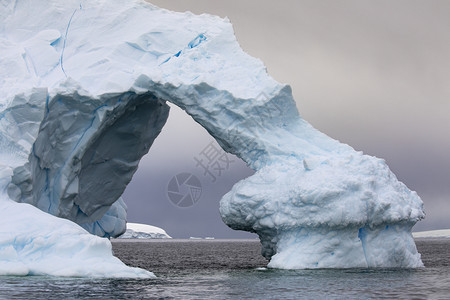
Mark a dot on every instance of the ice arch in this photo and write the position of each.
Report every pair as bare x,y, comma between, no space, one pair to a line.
85,99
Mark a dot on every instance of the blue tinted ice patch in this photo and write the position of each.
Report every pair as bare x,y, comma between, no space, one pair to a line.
362,233
166,60
89,127
197,41
175,55
47,102
55,42
64,44
192,44
97,108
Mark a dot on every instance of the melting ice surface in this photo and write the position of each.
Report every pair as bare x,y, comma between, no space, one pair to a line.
83,92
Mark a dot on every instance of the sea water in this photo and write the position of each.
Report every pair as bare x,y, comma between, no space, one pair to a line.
234,269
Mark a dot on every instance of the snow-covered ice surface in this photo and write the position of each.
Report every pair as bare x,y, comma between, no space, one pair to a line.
83,91
144,231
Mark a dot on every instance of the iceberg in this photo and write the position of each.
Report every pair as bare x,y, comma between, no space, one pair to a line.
84,87
144,231
54,246
441,233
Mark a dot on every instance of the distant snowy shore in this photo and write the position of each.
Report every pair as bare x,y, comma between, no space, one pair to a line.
143,231
443,233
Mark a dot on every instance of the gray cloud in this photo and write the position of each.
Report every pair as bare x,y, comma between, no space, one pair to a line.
373,74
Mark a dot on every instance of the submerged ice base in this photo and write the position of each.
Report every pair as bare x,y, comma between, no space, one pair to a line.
83,96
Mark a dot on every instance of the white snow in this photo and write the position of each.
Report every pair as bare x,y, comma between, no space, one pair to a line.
144,231
83,91
441,233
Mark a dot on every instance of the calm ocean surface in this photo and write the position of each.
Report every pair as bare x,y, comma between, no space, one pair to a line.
234,269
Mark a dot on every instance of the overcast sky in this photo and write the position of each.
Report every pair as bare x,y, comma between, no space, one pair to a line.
372,74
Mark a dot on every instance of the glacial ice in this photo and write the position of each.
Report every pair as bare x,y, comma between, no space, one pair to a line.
441,233
83,91
144,231
36,243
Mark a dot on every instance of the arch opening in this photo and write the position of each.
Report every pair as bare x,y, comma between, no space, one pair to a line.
181,141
